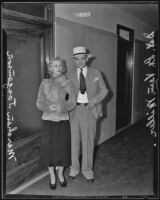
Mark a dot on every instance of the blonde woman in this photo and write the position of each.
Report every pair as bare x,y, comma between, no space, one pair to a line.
56,98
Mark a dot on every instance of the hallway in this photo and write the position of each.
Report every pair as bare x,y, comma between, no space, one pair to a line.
123,166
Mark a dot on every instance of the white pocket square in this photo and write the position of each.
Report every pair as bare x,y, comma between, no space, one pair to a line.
96,79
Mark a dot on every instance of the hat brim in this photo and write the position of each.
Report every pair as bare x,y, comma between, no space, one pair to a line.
88,55
74,55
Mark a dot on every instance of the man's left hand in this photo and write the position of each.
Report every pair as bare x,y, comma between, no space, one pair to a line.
91,104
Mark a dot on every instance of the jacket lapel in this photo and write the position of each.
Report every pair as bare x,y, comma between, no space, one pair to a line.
88,77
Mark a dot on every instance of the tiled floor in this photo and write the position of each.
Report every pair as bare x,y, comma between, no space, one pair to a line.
123,166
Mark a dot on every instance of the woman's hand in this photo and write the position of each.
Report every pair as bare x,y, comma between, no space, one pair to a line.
55,108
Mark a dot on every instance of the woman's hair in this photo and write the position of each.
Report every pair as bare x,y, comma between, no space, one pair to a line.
52,60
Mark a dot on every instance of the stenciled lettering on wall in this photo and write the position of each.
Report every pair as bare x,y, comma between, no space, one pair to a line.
11,104
151,84
82,14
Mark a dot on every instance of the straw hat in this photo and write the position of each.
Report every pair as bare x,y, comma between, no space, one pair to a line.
81,50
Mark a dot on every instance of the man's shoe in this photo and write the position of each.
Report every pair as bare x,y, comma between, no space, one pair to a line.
90,180
72,177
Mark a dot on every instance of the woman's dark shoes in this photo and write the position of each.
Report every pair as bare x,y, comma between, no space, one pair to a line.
63,183
52,186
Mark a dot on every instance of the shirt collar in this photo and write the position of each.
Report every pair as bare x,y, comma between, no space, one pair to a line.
84,68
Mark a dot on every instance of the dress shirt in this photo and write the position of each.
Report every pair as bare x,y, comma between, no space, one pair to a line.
82,98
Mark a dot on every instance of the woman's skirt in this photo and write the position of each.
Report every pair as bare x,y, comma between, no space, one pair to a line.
56,143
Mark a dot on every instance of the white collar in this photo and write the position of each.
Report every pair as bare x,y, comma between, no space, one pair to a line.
84,68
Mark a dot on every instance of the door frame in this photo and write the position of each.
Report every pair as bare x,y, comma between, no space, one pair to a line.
22,24
129,69
19,23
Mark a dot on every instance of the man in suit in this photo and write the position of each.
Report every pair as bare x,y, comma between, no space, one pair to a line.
90,91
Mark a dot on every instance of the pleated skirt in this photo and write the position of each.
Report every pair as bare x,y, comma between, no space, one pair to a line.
56,143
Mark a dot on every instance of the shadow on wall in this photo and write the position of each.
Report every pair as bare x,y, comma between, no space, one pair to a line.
104,108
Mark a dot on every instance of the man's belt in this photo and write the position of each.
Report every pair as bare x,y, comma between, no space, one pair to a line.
85,104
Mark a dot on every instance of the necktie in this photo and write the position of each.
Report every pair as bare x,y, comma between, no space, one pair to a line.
82,82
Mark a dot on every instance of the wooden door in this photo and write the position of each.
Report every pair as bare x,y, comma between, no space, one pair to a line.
124,78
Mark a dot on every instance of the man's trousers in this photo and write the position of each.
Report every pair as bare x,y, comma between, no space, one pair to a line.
83,132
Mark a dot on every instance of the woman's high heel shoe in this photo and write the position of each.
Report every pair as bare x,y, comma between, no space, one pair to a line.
62,183
52,186
52,173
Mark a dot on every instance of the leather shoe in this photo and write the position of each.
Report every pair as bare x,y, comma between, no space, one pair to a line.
72,177
90,180
52,186
63,183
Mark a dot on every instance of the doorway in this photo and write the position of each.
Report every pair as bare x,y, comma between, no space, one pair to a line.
28,46
124,76
26,62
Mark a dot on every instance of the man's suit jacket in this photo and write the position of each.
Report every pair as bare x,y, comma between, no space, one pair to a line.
96,89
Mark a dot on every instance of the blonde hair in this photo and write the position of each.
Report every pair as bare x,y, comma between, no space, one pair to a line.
51,62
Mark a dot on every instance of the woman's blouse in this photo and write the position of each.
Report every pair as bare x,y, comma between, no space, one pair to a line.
56,91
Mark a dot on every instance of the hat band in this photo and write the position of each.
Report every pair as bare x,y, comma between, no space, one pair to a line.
79,53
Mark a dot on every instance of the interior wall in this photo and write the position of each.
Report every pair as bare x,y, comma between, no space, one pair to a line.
103,46
104,16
